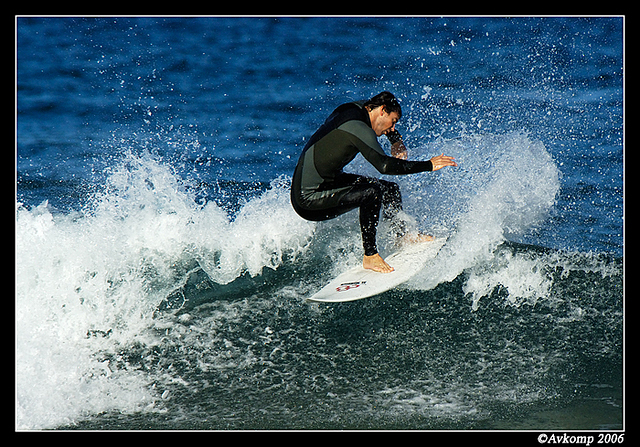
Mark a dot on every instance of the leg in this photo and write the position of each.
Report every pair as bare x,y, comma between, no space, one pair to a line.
367,196
391,207
391,203
371,202
346,193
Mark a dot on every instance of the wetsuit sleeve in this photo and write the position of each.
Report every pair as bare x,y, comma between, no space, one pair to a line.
395,166
365,140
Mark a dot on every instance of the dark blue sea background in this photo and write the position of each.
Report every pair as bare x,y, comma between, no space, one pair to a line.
162,275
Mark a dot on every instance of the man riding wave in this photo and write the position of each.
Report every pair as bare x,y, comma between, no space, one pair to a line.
320,190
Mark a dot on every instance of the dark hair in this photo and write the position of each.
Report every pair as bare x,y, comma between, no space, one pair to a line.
385,99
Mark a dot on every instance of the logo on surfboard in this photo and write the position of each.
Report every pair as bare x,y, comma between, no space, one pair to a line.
350,285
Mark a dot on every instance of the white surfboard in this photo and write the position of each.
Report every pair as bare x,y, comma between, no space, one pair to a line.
359,283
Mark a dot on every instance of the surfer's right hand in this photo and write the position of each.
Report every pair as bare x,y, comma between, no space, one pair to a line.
440,161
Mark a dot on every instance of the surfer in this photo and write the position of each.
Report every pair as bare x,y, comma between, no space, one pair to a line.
320,190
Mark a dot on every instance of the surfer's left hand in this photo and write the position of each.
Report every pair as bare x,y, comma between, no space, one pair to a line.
440,161
398,150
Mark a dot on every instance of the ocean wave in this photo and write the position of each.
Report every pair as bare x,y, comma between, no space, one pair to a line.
107,269
120,303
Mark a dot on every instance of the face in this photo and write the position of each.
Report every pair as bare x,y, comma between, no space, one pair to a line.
382,122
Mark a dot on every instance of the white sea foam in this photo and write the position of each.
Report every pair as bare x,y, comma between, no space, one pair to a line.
87,284
504,186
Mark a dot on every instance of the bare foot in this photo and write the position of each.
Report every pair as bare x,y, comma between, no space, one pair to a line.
415,238
376,263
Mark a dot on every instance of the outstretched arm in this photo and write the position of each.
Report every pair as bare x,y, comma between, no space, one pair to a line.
398,150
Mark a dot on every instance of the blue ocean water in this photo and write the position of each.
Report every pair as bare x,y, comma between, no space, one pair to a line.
161,273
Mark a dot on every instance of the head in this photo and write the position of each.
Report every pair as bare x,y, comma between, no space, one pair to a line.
384,112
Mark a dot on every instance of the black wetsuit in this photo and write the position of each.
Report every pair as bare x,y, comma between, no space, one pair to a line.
321,191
